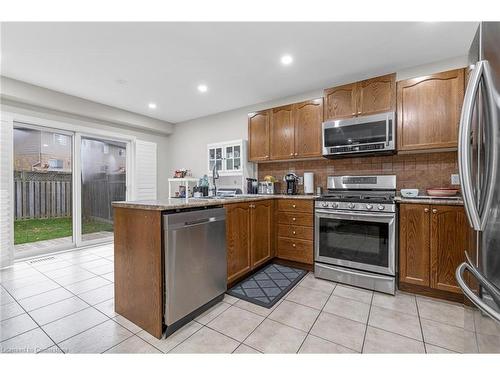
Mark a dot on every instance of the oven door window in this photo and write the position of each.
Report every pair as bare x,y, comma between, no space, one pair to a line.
371,132
354,241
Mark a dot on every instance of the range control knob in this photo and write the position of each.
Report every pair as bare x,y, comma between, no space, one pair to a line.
324,204
369,206
380,207
350,205
335,205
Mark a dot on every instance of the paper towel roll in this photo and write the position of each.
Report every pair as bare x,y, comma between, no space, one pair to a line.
308,183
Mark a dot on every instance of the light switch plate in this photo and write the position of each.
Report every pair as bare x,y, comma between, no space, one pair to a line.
455,180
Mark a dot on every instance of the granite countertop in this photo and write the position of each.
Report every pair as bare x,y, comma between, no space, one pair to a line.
450,201
179,203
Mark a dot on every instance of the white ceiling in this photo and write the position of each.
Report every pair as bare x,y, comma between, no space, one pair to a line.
240,62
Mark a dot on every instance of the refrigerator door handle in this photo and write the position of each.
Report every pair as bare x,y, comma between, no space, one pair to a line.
475,299
464,148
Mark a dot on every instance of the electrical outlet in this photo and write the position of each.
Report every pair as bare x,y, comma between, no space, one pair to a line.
455,180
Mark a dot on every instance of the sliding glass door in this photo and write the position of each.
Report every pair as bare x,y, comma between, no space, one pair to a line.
103,180
43,197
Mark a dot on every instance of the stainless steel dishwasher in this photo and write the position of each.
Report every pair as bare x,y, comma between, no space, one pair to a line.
195,263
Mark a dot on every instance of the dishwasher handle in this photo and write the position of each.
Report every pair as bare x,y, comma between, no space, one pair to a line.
190,219
199,222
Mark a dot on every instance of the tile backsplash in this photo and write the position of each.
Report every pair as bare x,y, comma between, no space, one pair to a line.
419,171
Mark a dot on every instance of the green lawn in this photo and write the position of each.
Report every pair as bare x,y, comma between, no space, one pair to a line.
33,230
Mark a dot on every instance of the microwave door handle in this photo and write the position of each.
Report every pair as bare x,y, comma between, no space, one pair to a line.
387,121
492,137
464,148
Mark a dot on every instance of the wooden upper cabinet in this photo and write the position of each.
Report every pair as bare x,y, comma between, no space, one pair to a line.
261,228
450,237
414,254
258,135
376,95
340,101
282,133
238,240
429,111
308,117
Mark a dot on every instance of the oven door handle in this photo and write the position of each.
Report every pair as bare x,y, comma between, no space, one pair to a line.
342,214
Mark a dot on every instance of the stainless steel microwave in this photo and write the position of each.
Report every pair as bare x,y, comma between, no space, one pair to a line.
359,135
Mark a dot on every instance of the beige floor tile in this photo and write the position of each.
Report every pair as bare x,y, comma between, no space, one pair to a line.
107,307
15,284
357,294
15,326
58,310
230,299
402,302
33,289
167,344
207,340
98,295
274,337
310,281
74,324
245,349
133,345
5,297
52,350
87,285
29,342
65,271
127,324
236,323
441,311
109,276
485,325
396,322
44,299
252,307
212,313
13,273
308,297
380,341
74,277
295,315
348,308
317,345
10,310
433,349
448,336
104,269
45,267
97,339
340,330
90,265
488,343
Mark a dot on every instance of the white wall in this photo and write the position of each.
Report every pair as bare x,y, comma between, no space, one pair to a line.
189,140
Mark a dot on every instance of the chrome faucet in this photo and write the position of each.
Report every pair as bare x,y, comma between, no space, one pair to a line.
215,176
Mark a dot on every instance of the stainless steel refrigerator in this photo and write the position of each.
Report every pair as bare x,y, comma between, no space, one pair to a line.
478,157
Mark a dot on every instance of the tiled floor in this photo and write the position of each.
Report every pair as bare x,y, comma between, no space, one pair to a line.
30,247
65,304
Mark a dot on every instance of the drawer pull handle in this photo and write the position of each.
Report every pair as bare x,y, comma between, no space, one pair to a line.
434,211
294,232
293,245
426,210
294,206
293,219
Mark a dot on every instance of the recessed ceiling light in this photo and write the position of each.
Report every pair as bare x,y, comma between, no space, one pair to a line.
202,88
152,105
286,59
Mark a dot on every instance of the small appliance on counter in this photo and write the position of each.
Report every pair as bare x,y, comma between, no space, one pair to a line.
252,186
267,187
308,183
292,180
409,193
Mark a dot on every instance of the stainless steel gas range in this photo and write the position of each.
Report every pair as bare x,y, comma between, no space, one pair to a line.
355,232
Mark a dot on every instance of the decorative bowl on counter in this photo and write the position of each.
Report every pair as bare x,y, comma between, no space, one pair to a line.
409,193
442,192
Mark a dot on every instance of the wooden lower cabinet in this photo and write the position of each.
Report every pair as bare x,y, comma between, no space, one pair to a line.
432,240
248,237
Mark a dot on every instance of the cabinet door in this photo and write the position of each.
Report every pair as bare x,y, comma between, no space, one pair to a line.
450,237
282,133
261,224
258,136
237,240
429,111
376,95
308,117
340,102
414,244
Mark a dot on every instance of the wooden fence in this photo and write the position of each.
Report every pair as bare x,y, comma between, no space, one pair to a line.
49,195
42,194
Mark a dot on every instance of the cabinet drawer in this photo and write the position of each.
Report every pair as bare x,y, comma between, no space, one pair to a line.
295,250
294,231
295,218
295,205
